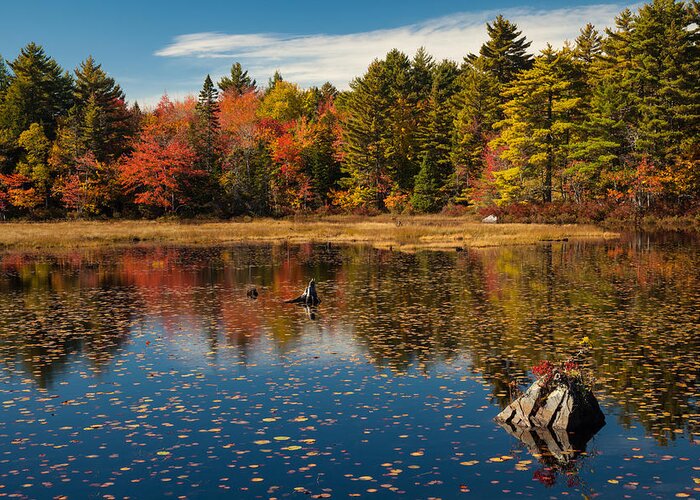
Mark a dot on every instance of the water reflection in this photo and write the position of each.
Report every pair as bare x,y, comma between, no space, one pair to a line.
558,452
502,308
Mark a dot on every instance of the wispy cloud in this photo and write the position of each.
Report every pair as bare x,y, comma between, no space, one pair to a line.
315,58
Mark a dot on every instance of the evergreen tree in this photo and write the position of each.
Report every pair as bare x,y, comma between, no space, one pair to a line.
476,112
400,143
39,91
608,123
238,81
272,82
540,118
505,52
589,45
4,78
436,137
426,192
664,73
365,111
106,121
207,127
328,92
422,67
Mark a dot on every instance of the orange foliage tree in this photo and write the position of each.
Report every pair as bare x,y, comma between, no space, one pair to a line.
162,165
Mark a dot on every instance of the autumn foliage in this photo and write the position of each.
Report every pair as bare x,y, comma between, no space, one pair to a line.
604,127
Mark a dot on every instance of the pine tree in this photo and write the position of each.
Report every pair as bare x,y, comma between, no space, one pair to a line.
426,192
540,118
365,113
207,127
664,73
505,53
272,82
476,111
422,67
39,91
106,121
435,138
400,143
589,45
4,78
238,81
608,123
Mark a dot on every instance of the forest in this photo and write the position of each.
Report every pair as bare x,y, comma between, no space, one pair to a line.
605,126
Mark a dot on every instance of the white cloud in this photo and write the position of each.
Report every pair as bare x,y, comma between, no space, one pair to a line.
315,58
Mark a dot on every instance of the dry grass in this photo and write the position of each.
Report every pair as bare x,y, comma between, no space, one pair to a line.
406,233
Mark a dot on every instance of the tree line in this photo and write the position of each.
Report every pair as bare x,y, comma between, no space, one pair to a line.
609,122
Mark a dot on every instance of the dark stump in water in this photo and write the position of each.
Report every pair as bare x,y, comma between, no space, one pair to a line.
309,297
557,407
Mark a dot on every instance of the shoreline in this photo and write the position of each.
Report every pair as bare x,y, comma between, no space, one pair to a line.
408,233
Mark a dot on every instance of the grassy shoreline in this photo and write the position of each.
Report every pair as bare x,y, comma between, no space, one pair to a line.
405,233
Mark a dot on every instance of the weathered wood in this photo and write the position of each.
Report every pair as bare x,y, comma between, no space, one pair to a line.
561,408
309,297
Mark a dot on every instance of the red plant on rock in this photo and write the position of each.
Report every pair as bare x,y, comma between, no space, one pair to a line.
543,369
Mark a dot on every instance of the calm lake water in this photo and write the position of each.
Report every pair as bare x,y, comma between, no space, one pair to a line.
147,372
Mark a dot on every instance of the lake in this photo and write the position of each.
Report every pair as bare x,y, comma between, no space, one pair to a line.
147,372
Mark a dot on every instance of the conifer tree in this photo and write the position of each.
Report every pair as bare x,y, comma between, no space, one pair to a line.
589,45
435,138
364,144
422,67
39,91
476,111
207,127
400,139
238,81
540,118
4,78
505,52
276,78
106,122
426,192
664,46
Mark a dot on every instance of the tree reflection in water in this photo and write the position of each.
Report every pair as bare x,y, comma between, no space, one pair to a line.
501,309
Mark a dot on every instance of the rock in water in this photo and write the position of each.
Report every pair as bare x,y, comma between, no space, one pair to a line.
561,408
309,297
552,446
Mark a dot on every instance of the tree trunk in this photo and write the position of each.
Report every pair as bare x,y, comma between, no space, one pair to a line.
309,297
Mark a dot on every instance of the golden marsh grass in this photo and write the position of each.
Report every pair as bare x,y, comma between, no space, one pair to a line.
404,233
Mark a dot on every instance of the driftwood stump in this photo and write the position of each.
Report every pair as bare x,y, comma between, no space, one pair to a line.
561,408
309,297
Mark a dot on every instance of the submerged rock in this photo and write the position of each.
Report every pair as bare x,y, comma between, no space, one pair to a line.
561,408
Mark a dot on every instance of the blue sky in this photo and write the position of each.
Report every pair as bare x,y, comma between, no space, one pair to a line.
152,47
